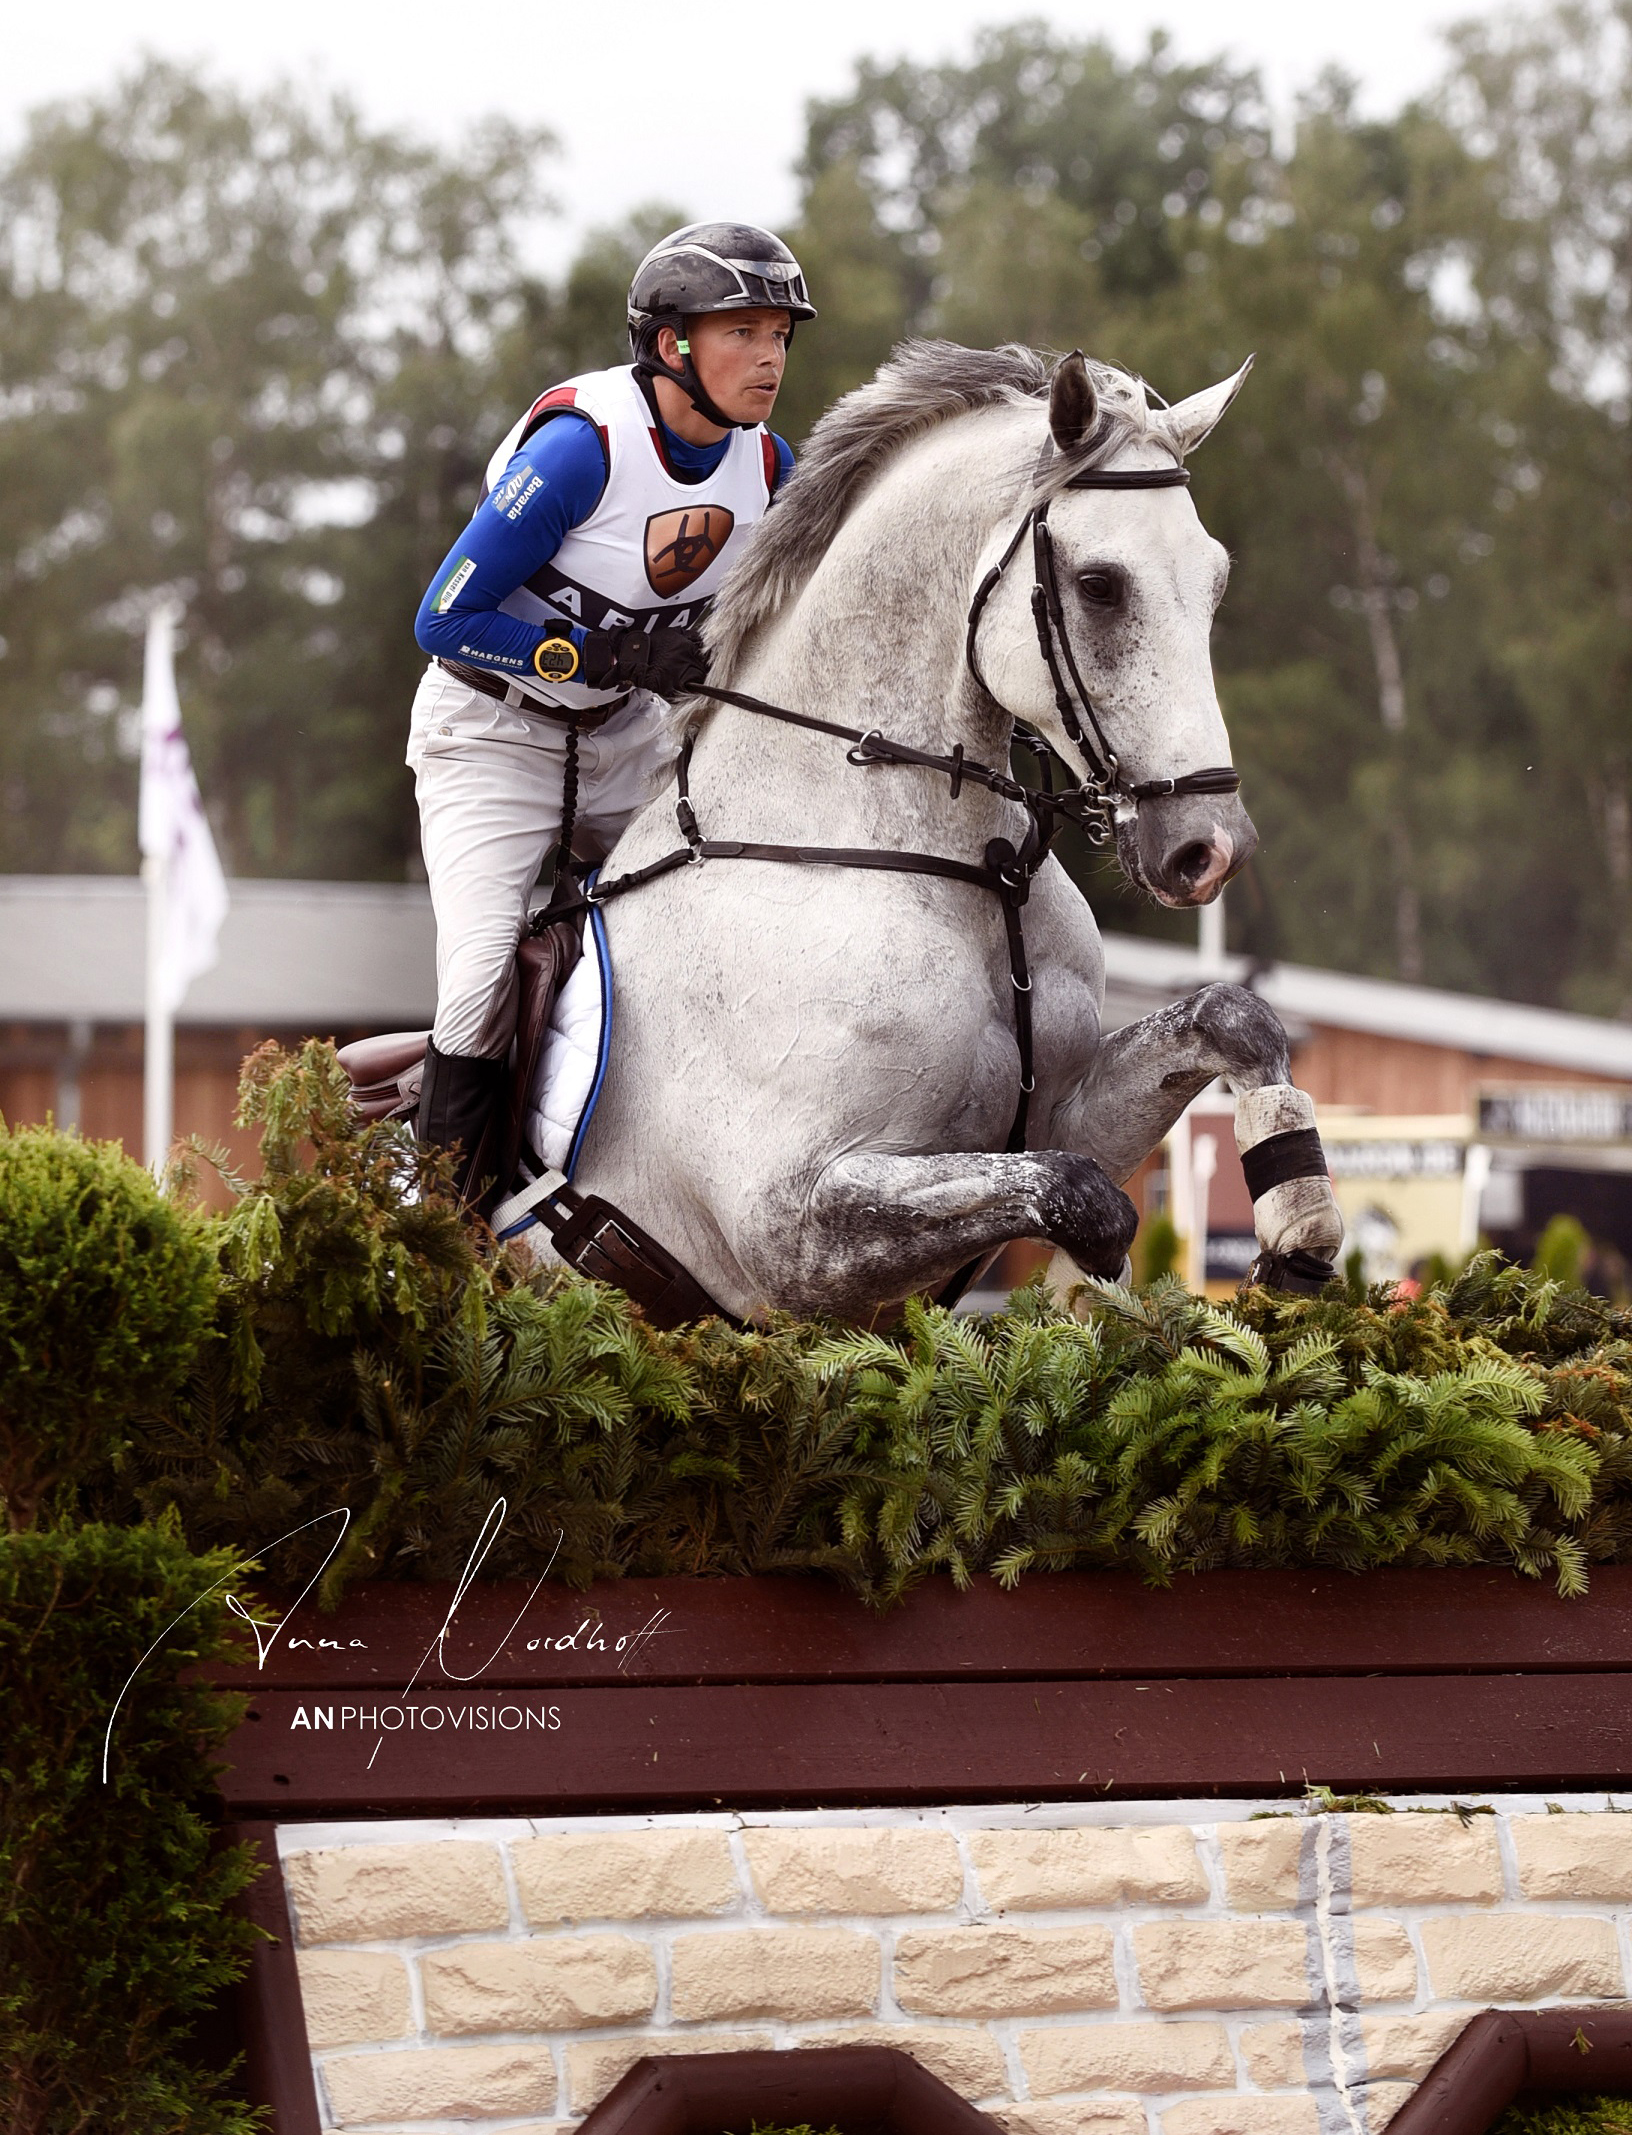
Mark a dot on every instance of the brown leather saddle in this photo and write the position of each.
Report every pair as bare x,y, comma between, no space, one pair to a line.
589,1234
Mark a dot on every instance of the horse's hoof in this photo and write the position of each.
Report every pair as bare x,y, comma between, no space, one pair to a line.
1300,1273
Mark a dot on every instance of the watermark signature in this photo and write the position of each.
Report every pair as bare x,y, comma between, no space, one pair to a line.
588,1636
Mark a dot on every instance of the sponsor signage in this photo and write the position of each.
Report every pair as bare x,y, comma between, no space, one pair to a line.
1556,1113
1433,1157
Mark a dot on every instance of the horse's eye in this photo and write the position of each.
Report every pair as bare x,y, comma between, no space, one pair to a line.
1104,588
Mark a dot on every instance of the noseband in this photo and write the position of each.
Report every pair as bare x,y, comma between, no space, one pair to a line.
1104,797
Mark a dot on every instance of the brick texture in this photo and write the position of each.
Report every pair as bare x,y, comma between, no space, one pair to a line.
353,1995
1127,2057
790,1972
1223,1964
969,2060
1423,1860
1383,2101
1089,2116
1273,2055
601,1875
1004,1971
440,2083
1384,1961
1261,1863
549,1982
1242,2114
376,1893
832,1869
1574,1856
593,2066
1507,1957
1031,1870
625,1941
1408,2045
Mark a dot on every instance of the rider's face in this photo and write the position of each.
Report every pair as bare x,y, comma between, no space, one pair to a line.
739,356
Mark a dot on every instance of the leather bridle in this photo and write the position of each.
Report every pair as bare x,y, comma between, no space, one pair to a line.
1106,796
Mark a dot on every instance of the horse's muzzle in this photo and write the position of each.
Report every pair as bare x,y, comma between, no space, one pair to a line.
1183,848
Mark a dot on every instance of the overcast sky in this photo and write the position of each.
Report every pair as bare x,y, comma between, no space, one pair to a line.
689,100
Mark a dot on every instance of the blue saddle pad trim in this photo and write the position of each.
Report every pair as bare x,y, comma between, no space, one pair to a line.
597,937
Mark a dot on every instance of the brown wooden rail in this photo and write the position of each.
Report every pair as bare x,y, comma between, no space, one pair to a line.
768,1691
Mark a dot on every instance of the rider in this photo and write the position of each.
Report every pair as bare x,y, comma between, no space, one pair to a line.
570,604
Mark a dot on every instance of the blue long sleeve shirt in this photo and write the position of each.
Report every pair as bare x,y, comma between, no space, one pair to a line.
459,617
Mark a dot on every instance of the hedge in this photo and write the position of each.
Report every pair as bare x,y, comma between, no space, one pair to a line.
367,1354
106,1290
115,1933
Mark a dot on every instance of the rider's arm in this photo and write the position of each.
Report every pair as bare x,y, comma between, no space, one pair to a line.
551,485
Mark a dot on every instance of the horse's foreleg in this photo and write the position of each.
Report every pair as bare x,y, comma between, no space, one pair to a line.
1144,1075
882,1227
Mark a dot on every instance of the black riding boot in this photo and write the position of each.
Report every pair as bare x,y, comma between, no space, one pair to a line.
459,1110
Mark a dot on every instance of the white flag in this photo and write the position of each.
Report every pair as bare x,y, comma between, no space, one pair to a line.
174,831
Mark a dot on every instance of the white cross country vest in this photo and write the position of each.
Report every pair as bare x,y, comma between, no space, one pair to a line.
654,549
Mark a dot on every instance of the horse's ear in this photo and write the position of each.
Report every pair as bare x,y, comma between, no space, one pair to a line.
1187,422
1073,405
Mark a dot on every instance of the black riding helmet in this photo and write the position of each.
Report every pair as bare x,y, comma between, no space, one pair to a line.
709,266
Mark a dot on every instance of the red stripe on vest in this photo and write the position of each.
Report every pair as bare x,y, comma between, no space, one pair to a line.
559,396
767,446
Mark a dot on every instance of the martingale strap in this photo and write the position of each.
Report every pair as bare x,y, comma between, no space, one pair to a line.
1006,875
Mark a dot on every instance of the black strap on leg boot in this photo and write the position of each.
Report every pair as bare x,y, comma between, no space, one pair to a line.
1299,1273
459,1110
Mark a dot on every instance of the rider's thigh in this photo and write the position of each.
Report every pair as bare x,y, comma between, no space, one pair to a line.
489,810
623,765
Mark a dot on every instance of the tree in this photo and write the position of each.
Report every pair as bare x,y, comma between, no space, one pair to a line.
1543,103
249,355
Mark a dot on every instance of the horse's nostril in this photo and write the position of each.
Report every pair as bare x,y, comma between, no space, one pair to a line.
1190,862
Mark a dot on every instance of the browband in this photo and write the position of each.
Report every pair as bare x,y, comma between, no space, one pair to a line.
1131,478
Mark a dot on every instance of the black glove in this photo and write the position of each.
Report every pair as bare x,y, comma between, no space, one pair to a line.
668,660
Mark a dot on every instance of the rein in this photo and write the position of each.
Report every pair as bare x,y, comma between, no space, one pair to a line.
1095,804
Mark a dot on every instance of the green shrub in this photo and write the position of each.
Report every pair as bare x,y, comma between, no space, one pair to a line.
1158,1248
106,1289
373,1359
114,1937
1568,2116
1562,1249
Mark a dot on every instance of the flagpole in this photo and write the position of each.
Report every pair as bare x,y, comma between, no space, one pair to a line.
159,1042
186,890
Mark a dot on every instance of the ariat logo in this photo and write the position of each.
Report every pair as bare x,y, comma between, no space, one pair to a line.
680,545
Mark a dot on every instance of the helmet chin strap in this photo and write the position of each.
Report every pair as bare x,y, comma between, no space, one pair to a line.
651,365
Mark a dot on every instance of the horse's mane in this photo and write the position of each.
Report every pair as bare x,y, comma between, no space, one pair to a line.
922,384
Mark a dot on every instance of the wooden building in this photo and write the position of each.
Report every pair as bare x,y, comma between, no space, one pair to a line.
331,959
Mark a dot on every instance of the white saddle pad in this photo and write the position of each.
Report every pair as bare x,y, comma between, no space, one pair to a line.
572,1065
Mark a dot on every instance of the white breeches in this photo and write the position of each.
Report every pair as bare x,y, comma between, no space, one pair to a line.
488,782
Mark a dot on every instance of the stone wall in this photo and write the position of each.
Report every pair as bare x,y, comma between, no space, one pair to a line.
1139,1969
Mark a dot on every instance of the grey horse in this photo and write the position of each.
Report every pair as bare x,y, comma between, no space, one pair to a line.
814,1069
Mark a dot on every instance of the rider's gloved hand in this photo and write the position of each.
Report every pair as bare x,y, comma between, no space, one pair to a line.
667,660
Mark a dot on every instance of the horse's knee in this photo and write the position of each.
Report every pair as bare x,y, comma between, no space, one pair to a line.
1084,1212
1244,1031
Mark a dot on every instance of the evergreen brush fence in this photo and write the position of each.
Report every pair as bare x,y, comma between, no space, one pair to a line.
365,1354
